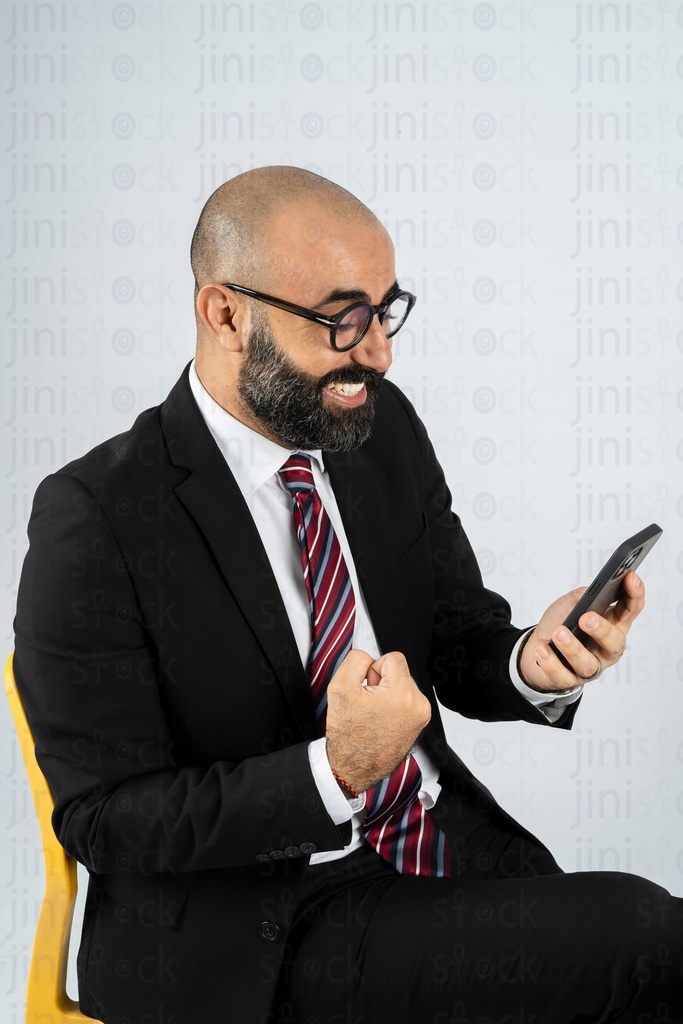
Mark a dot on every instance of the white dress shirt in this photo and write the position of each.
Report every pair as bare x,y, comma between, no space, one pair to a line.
254,461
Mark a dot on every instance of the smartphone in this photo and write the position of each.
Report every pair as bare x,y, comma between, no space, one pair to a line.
607,585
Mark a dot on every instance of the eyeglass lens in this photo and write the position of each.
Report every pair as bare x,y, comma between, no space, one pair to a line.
357,320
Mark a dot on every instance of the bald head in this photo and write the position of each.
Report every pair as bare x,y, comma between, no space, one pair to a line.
232,239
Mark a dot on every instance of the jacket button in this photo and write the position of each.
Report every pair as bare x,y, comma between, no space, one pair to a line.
292,851
269,931
308,847
277,855
263,858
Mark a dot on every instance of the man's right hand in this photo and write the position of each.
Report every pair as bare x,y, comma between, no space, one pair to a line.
370,729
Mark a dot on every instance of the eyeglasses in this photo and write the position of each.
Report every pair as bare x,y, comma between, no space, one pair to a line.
352,323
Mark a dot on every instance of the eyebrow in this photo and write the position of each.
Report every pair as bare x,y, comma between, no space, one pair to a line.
352,295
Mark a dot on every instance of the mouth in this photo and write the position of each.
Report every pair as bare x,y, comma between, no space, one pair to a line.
345,393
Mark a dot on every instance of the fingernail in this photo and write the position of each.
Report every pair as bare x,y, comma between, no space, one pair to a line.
591,622
542,652
563,636
636,580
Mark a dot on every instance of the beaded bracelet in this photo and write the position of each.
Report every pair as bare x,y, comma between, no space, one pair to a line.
345,785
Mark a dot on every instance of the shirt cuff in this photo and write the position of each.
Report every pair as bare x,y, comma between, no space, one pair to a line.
552,707
337,806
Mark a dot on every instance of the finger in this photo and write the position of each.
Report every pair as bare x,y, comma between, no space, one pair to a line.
582,662
373,677
353,669
393,663
630,604
557,675
609,639
621,615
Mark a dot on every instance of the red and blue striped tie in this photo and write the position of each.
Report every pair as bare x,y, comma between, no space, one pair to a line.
331,602
396,823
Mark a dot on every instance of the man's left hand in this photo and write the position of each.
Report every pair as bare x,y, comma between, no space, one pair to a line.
540,667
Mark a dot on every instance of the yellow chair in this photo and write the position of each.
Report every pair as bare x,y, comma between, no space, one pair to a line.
46,998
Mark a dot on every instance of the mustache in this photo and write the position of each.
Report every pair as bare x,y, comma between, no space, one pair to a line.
355,374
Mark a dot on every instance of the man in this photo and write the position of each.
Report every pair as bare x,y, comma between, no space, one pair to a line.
233,626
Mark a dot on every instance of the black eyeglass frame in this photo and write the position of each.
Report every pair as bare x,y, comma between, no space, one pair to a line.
333,322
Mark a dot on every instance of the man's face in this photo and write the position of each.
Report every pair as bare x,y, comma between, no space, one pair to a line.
290,379
292,404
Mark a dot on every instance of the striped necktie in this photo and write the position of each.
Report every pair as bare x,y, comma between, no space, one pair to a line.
331,601
396,823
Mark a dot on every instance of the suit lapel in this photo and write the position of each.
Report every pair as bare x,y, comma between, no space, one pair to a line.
213,499
362,506
368,529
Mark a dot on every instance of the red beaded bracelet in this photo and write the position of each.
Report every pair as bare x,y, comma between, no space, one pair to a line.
345,785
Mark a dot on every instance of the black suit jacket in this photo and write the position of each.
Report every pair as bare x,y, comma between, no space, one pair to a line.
171,710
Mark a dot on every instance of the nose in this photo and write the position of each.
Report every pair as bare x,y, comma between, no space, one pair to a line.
374,349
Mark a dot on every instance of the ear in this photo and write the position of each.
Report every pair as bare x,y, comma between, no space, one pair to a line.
225,316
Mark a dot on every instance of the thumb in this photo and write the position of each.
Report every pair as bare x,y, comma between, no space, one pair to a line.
388,668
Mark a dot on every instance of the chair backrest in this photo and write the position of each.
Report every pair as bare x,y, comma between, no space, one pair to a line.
46,998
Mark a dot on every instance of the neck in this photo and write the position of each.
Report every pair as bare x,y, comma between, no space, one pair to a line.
222,387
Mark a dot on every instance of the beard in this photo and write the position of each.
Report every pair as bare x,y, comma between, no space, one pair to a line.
290,402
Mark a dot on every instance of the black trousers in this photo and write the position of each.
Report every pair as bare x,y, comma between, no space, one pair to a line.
508,939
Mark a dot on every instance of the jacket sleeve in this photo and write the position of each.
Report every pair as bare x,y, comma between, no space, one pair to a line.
472,635
86,669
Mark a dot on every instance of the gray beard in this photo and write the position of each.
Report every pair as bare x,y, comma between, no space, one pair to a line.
289,402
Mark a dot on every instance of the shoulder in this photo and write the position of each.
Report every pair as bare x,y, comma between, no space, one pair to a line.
139,457
118,459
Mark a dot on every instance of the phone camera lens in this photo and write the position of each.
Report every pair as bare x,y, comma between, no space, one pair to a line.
627,563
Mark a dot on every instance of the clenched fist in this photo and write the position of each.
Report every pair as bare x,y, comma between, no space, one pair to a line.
370,729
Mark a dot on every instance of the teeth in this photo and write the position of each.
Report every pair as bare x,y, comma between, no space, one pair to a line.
345,389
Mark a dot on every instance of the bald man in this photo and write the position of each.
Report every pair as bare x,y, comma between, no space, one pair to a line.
236,624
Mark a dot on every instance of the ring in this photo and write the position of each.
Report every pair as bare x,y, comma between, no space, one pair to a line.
596,674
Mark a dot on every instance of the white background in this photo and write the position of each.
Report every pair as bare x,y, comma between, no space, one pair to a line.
527,159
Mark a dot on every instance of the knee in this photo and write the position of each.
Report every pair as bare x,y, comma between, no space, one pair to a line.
647,923
658,919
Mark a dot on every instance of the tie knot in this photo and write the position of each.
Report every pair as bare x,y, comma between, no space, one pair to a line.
297,474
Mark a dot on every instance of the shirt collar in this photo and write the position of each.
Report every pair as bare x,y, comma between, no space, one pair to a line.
251,457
